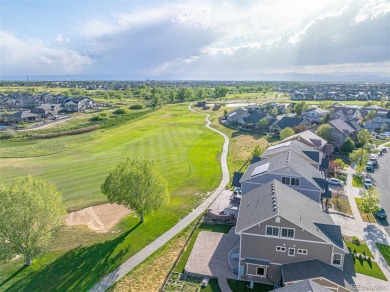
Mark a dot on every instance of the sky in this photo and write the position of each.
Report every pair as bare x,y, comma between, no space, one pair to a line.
198,40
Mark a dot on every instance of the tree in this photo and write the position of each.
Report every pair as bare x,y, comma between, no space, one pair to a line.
300,107
273,111
137,184
257,151
360,157
299,129
325,119
363,137
369,201
348,145
325,132
286,132
337,166
185,94
369,116
324,104
220,91
262,124
31,212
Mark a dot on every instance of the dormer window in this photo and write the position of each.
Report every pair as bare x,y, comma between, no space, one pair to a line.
291,181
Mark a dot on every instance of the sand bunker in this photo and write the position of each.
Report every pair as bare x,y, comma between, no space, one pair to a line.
99,218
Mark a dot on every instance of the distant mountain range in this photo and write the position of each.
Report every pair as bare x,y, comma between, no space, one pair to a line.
293,76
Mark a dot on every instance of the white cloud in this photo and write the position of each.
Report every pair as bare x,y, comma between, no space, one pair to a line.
60,40
31,56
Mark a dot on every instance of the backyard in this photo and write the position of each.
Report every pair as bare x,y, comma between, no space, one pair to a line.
173,136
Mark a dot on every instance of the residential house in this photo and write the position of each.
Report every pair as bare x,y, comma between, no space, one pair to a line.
288,121
307,153
46,110
314,115
340,131
251,122
346,112
234,116
313,140
381,120
286,237
291,169
21,117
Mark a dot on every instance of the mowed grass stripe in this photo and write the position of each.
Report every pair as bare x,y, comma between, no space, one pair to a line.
80,171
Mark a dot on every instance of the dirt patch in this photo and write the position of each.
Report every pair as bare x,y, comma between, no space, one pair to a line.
98,218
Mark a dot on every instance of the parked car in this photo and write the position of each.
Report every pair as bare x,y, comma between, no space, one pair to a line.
237,191
381,214
335,181
370,167
368,183
373,161
383,136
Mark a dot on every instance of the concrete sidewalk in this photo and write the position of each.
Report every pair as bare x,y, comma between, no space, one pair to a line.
139,257
371,232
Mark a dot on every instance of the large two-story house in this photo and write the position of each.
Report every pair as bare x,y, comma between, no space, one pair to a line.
313,140
314,115
285,238
290,169
309,154
288,122
341,130
346,112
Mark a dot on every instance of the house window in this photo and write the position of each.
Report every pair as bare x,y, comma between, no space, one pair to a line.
291,252
295,182
290,181
302,251
260,271
281,248
337,259
272,231
287,232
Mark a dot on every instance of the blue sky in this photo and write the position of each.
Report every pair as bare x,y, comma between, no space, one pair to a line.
194,39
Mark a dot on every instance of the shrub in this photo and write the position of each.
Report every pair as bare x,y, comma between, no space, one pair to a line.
100,117
64,133
360,257
120,111
355,240
369,260
8,134
354,251
136,106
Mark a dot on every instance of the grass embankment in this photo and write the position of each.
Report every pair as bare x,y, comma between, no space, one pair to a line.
241,143
173,136
363,266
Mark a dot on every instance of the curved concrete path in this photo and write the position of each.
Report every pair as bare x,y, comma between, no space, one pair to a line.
140,256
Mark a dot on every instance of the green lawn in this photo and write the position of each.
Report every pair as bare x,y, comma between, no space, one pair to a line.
188,155
363,266
366,217
357,181
341,204
359,248
385,251
238,286
370,269
203,227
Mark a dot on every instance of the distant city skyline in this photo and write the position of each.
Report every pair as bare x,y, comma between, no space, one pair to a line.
195,40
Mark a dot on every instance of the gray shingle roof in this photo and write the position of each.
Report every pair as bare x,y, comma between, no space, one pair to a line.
303,286
282,161
290,122
254,118
309,136
257,206
23,115
342,126
296,146
314,269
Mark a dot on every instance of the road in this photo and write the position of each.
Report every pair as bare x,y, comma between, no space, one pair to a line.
139,257
381,179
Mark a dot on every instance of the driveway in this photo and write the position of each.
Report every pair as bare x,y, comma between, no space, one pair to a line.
381,179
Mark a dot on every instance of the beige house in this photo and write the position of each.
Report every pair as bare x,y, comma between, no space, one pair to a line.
285,237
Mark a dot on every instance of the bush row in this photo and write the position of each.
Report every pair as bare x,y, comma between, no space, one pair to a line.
64,133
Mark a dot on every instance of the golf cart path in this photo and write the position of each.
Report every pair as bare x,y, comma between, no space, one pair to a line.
140,256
